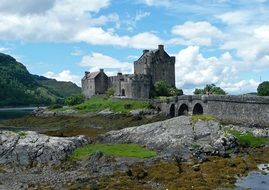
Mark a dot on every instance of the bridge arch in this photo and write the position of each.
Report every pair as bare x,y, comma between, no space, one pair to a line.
172,111
197,109
183,110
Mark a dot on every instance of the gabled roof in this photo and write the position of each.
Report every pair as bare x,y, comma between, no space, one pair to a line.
93,75
152,53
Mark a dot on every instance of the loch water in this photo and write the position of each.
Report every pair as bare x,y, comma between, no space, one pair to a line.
12,113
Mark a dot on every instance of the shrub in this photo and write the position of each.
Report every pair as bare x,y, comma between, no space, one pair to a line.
55,106
110,92
74,100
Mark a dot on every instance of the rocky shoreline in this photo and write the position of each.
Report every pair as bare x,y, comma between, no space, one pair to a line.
39,161
27,149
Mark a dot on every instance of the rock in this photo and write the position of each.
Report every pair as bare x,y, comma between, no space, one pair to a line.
106,112
162,135
143,112
30,148
196,167
202,139
44,112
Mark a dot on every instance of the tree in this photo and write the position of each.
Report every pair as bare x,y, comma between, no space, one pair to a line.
210,89
198,91
263,89
161,88
173,91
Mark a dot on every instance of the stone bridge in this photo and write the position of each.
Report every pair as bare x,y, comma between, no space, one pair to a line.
229,109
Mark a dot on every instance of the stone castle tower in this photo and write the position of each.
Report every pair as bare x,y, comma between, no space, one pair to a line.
152,66
158,64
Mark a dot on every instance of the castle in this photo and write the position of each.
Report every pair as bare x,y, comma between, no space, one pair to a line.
152,66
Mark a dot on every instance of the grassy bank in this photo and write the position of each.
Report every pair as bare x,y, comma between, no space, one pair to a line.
97,104
120,150
248,139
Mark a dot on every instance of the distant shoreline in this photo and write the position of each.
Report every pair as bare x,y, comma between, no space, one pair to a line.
19,108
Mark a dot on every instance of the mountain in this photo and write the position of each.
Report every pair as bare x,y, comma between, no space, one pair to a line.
18,87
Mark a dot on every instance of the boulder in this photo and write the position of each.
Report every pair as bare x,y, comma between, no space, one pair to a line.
30,148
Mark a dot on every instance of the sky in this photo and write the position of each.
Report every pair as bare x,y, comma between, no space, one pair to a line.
225,42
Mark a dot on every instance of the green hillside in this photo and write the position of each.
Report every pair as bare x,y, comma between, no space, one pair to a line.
20,88
59,88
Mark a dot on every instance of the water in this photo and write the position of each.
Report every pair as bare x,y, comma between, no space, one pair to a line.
258,180
11,113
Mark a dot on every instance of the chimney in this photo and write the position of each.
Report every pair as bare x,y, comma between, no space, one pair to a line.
145,51
87,72
161,47
101,70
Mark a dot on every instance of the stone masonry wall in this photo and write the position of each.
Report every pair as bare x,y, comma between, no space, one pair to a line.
229,109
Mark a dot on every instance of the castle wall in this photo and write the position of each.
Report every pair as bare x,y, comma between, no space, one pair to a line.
163,70
101,83
137,86
88,88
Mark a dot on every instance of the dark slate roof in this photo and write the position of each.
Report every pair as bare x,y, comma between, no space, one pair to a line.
93,74
152,53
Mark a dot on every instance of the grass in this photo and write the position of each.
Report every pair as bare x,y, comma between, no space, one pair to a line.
97,104
121,150
22,134
203,117
248,139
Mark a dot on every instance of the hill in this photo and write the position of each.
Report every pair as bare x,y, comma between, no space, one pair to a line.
59,88
21,88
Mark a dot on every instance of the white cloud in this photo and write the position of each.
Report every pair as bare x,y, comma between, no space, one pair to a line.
251,46
25,6
98,36
157,2
235,17
79,7
262,32
241,87
65,75
3,49
194,70
97,61
140,15
72,21
197,33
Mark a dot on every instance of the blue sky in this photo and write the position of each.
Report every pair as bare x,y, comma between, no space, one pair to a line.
215,41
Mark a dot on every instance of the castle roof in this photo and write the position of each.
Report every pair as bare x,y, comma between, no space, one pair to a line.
92,75
153,53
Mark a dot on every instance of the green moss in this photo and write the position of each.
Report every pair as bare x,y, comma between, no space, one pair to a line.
248,139
203,117
22,134
121,150
97,104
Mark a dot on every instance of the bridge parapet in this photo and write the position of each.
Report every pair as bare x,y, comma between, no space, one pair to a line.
233,109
